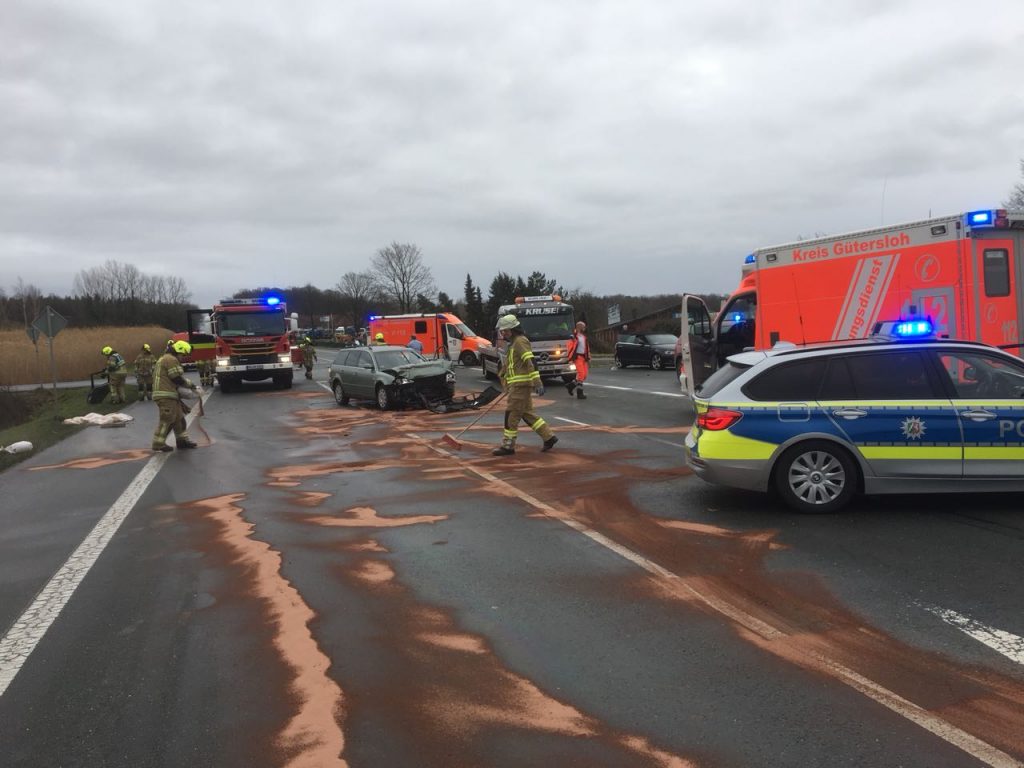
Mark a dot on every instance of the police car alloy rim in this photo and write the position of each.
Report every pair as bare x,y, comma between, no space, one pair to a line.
817,477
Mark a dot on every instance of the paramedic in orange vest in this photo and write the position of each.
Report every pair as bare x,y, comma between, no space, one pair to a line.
578,350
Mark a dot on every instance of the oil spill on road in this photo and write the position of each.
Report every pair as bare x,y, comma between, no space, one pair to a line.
96,462
309,498
313,736
367,517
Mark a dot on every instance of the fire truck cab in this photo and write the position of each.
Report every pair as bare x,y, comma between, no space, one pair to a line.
964,272
548,323
247,340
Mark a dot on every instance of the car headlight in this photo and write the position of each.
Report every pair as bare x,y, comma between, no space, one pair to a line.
222,362
400,380
449,377
284,358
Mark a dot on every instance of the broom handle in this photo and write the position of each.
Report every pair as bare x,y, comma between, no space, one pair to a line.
489,409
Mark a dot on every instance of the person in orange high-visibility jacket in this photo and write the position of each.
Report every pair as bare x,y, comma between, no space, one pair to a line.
521,379
579,353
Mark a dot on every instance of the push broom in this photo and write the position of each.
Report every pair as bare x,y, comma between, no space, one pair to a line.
453,442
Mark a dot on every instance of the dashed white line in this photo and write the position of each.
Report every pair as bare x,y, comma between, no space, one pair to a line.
21,639
633,389
572,421
1006,643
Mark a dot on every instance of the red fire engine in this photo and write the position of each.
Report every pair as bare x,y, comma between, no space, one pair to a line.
965,272
247,340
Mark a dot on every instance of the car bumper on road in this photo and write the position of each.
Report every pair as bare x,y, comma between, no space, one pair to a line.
748,474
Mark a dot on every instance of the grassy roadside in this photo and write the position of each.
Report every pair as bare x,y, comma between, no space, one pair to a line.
31,416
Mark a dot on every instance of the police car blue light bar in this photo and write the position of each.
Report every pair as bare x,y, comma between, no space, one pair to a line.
909,329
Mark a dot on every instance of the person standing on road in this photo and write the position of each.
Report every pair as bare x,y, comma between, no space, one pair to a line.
415,344
169,375
579,353
378,340
116,372
521,379
308,356
205,369
144,372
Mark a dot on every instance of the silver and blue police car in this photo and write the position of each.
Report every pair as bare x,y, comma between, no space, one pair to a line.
901,412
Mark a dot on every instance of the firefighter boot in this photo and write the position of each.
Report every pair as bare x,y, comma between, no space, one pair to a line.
184,442
165,448
507,448
549,443
570,385
579,393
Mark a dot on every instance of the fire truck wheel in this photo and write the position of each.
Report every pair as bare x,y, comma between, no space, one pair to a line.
816,477
656,362
383,398
339,394
468,359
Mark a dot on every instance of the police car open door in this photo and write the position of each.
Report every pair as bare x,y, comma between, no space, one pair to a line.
698,343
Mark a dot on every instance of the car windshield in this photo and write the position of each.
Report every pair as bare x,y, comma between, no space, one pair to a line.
252,323
465,330
395,358
557,324
665,339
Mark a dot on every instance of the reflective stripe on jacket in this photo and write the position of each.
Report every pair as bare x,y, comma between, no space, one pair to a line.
519,366
168,368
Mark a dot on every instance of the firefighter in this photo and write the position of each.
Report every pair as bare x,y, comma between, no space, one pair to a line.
308,356
144,372
520,378
116,373
578,350
204,368
378,340
169,375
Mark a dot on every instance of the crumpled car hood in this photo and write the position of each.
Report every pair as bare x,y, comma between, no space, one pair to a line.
415,371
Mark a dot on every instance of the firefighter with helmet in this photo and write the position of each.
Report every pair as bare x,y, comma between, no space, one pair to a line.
521,378
378,340
144,372
308,355
169,375
116,373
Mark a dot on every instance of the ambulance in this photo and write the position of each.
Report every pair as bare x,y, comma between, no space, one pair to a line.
964,272
442,334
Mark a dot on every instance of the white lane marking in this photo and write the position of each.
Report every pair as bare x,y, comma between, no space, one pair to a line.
1006,643
632,389
572,421
946,731
21,639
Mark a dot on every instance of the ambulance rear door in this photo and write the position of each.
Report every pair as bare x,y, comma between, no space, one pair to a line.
698,347
995,285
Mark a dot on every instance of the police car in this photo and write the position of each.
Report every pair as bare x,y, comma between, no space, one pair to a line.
901,412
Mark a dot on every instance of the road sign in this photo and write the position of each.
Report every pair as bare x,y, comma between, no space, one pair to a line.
613,314
50,322
33,334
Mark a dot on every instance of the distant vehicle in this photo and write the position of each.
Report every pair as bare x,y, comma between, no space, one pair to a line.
548,323
962,271
900,412
657,350
442,334
391,376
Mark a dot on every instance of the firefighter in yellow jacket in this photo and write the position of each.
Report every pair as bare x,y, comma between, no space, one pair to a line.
144,372
168,376
308,356
116,373
521,379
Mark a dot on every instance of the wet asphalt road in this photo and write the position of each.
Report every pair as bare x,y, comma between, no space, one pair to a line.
319,585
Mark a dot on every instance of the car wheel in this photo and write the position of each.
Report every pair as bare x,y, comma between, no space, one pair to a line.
656,363
816,477
383,398
618,361
486,370
339,394
468,359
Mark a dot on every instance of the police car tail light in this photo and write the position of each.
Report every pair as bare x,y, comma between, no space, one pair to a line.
715,419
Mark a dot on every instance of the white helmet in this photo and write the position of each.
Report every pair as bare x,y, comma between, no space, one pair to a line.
508,322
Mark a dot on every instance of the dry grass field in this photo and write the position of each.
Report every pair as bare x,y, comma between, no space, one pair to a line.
76,351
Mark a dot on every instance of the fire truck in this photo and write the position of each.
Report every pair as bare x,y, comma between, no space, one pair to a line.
247,340
965,272
548,323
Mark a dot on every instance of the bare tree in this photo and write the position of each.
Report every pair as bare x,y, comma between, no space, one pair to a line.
1015,202
30,299
401,274
358,290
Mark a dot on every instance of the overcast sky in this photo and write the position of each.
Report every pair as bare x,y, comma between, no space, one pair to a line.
637,147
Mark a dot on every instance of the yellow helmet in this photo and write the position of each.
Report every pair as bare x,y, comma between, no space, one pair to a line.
107,351
308,340
379,337
182,348
146,347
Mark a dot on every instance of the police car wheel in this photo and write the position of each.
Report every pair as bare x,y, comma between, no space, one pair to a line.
816,477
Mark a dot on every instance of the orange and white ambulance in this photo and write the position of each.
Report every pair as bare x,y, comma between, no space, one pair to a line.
965,272
442,334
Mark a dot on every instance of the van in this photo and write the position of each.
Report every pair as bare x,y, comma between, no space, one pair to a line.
442,334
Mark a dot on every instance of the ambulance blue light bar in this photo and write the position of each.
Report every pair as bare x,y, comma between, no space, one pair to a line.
981,219
913,329
273,301
750,259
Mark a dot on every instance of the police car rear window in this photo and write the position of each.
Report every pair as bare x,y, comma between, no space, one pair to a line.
717,380
799,380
